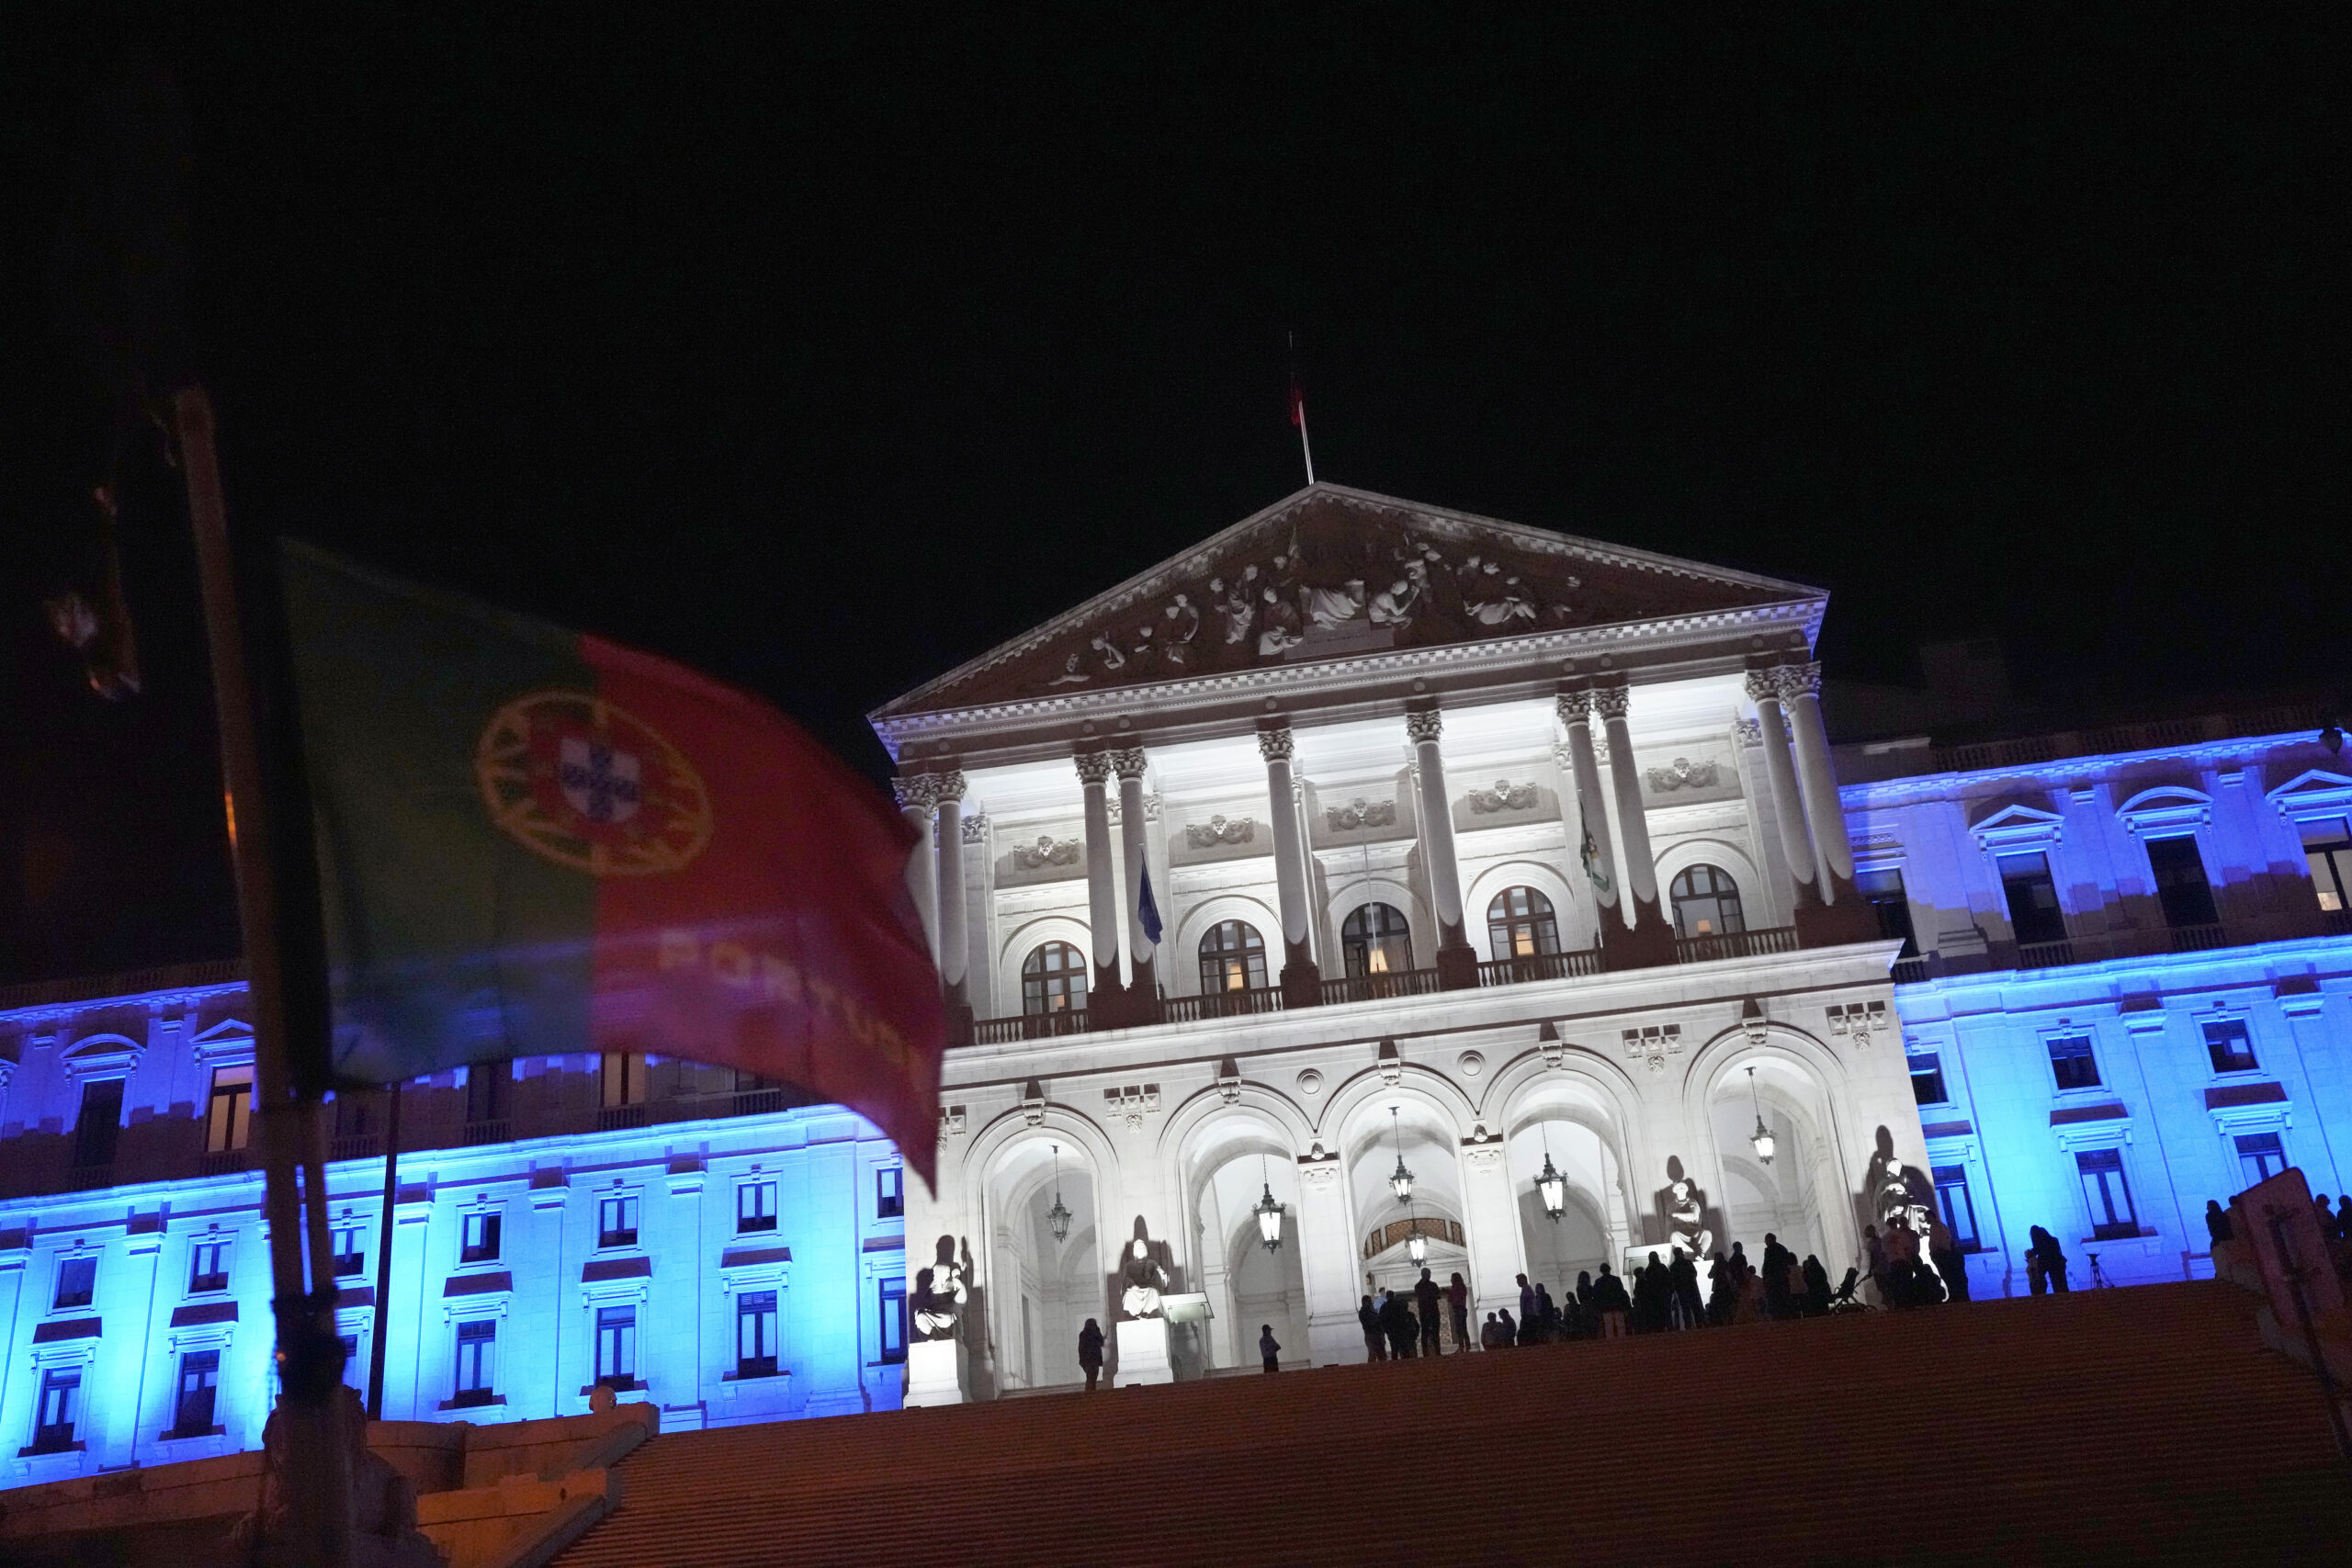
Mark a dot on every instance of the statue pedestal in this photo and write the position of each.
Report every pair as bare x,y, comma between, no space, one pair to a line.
938,1372
1142,1353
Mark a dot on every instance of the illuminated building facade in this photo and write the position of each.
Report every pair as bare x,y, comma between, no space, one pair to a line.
560,1223
1474,853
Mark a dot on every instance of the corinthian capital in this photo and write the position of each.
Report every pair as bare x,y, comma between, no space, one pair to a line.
1093,767
1797,680
1574,708
1128,761
916,792
1610,702
1426,725
948,786
1275,745
1762,686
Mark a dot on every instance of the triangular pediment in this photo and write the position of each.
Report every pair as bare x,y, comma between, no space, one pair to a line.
2017,825
1331,573
2314,786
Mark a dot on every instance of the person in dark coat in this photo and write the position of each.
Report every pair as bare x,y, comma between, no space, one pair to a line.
1089,1352
1722,1290
1777,1259
1685,1275
1506,1331
1376,1338
2216,1220
2053,1262
1425,1299
1652,1292
1610,1305
1457,1304
1269,1349
1397,1322
1817,1287
1526,1312
1547,1315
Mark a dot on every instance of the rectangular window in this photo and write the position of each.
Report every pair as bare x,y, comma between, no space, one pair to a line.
890,1192
99,1125
2107,1194
477,1360
1958,1210
228,1120
2261,1158
2181,888
755,1207
1893,905
208,1267
1928,1079
2033,896
624,1078
2327,847
478,1241
892,1303
486,1091
78,1281
617,1222
2070,1062
756,1349
61,1406
617,1346
350,1256
199,1380
2230,1046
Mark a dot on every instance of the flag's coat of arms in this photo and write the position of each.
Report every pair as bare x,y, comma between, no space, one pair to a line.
589,785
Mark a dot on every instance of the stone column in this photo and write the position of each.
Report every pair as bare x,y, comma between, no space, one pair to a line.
1457,961
1788,807
955,940
1102,902
1302,983
1490,1213
1135,856
1652,938
919,800
1593,852
1329,1263
1825,814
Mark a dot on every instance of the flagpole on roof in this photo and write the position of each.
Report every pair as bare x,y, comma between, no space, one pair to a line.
1298,409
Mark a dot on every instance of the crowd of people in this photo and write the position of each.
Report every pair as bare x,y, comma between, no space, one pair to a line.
2334,1229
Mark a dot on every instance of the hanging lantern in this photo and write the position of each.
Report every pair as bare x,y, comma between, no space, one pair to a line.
1553,1187
1058,1217
1400,1180
1417,1246
1763,1136
1269,1212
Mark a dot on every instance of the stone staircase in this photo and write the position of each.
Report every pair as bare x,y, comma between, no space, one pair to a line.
2144,1423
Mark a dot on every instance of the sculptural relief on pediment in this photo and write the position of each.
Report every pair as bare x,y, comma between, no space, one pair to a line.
1338,575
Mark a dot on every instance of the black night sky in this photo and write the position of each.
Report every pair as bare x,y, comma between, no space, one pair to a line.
824,358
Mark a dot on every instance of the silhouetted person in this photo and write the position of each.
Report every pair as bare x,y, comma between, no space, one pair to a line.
1268,1349
1652,1291
1375,1339
2216,1220
1844,1293
1547,1315
2053,1262
1610,1305
1457,1301
1397,1321
1526,1308
1506,1331
1775,1271
1491,1334
1089,1352
1425,1297
1584,1290
1943,1251
1684,1276
1817,1287
1722,1290
1739,1266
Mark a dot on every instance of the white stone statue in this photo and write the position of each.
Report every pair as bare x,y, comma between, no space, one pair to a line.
939,1299
1683,1212
1145,1281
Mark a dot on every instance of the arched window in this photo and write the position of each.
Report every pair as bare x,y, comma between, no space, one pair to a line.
1053,979
1520,924
1233,958
1706,902
1377,941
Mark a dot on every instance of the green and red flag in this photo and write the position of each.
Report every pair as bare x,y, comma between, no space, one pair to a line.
533,842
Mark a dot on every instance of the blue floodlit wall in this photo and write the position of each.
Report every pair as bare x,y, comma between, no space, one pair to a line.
834,1257
2103,1085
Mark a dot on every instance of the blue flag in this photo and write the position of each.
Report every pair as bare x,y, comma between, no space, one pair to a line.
1147,907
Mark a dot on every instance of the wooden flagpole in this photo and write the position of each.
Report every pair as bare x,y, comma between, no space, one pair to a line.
317,1458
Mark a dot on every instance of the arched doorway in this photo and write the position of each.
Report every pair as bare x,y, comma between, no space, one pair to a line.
1798,1194
1581,1140
1385,1132
1043,1286
1233,1163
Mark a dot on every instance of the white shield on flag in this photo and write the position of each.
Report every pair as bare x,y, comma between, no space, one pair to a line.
599,781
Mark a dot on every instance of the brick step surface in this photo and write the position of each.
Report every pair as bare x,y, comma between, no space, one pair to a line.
2143,1423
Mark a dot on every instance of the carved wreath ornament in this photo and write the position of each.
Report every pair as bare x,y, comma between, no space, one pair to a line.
1682,773
1048,850
1220,831
1361,814
1504,796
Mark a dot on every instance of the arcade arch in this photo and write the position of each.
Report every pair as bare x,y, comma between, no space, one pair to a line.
1801,1194
1042,1287
1230,1163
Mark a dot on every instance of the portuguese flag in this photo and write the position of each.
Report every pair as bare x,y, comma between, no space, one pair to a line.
534,842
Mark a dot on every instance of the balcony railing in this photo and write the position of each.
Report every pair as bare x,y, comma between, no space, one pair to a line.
614,1118
1380,987
1238,1003
1734,944
1029,1026
2045,955
1528,967
2199,938
357,1145
223,1162
491,1129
